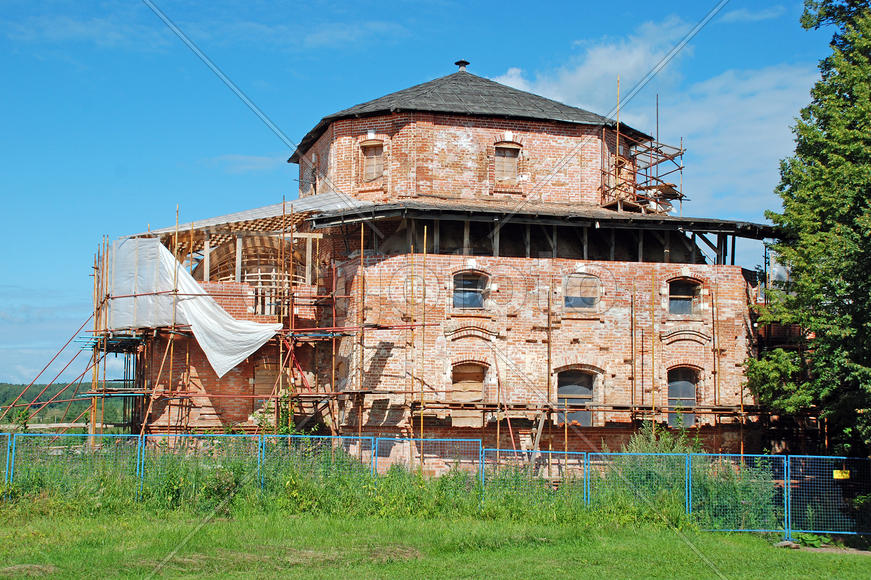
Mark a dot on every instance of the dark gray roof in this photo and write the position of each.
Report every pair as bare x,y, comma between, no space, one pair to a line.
466,94
540,213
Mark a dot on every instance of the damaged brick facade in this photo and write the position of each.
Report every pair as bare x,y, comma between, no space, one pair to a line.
526,301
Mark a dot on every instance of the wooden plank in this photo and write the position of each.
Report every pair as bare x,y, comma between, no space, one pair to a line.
238,258
308,261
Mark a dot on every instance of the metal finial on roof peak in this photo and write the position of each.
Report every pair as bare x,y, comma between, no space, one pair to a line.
462,64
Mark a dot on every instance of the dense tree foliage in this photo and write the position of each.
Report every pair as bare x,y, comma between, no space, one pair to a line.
826,221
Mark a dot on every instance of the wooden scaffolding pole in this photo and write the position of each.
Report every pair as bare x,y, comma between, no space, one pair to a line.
362,319
653,348
423,335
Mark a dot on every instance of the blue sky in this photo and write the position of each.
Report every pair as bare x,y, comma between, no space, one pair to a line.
109,121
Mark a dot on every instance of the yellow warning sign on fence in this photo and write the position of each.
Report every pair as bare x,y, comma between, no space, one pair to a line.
841,474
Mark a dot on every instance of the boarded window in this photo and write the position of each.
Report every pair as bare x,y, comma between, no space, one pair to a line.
583,291
469,289
373,161
507,158
468,382
683,297
682,396
575,389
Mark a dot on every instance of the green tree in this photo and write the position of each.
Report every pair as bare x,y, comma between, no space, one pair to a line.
826,223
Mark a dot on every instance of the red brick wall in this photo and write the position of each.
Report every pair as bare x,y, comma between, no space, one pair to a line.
510,336
187,370
453,156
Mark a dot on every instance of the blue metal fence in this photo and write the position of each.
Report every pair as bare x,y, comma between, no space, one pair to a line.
738,492
284,457
430,456
621,480
181,469
720,492
546,477
829,495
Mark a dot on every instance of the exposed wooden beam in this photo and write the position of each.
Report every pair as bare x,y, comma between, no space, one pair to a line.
238,258
207,257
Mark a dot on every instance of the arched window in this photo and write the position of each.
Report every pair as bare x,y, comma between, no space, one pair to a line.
683,296
468,382
507,161
682,382
575,389
469,289
582,291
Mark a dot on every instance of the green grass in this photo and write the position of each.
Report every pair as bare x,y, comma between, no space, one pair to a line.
75,510
44,541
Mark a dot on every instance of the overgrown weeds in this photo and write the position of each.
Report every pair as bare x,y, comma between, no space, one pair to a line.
654,480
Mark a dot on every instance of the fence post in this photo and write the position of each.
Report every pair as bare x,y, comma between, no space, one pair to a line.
138,469
8,451
481,466
587,478
375,456
688,485
261,453
481,463
142,444
787,499
483,478
10,469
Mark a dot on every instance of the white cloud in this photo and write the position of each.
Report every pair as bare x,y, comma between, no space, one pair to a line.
513,77
333,34
736,124
34,324
590,79
745,15
107,31
135,27
233,163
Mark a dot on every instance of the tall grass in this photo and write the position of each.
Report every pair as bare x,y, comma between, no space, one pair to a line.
331,477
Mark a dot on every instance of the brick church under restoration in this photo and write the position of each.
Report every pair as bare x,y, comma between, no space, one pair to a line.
464,260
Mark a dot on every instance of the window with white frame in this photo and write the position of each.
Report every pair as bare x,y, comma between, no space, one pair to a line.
469,289
574,390
682,383
683,296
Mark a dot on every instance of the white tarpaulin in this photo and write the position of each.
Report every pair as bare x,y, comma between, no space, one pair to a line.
142,278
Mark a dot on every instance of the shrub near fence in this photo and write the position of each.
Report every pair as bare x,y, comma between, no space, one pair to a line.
441,477
520,483
325,474
197,470
638,485
738,492
96,469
